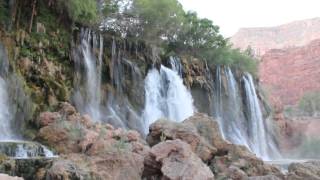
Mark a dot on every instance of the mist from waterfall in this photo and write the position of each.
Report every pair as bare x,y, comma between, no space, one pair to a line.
166,97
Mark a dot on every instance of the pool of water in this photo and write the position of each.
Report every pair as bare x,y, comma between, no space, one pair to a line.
24,150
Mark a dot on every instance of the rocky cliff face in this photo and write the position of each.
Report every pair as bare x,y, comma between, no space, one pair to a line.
288,74
298,33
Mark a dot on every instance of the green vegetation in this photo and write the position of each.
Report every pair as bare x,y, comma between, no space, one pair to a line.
310,103
160,20
165,24
310,148
82,11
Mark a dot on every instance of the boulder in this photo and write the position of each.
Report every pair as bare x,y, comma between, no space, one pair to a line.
109,166
200,131
240,158
307,170
179,162
91,150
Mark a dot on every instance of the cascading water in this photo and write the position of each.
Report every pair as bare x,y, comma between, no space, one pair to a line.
11,144
217,94
260,142
236,129
176,65
241,121
5,113
120,112
166,97
88,100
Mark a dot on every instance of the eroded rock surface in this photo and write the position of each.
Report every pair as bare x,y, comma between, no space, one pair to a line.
179,162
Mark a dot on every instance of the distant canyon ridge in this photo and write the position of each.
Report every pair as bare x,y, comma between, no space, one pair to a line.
289,58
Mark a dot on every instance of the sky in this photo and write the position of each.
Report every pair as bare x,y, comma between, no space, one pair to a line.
231,15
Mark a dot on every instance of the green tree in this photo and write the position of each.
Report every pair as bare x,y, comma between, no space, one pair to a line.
160,19
198,36
310,103
82,11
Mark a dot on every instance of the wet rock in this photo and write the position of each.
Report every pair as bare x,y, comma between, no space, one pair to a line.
179,162
199,131
308,170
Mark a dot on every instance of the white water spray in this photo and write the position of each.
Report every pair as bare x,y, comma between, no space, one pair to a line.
166,97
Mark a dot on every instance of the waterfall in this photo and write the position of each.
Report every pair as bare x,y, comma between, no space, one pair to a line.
166,97
236,128
228,107
5,113
88,100
217,94
256,124
6,116
116,70
240,117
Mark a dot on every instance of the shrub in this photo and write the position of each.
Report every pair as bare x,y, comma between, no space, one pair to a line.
310,148
309,104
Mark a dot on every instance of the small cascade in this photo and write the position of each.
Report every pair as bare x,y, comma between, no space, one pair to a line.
166,97
176,65
5,113
25,150
217,94
88,99
116,70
